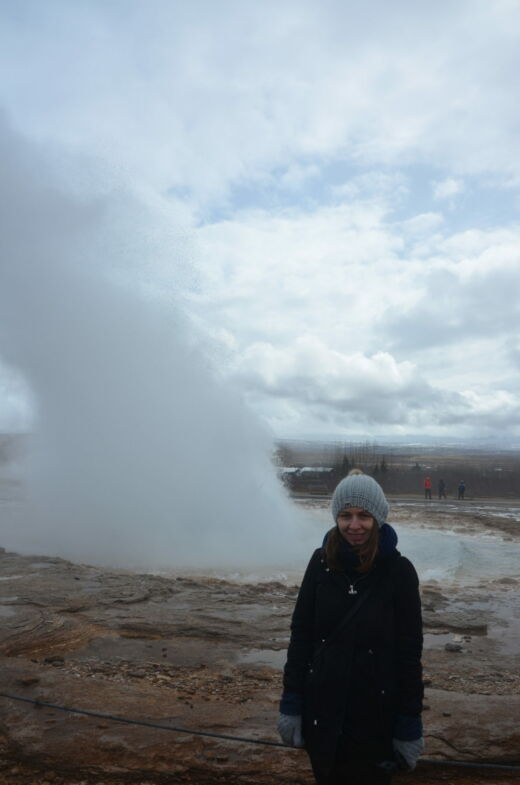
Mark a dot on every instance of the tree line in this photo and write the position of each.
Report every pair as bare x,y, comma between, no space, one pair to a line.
492,475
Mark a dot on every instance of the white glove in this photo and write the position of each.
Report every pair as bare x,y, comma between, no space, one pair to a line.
408,751
290,729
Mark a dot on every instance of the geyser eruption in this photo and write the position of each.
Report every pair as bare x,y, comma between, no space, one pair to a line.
140,455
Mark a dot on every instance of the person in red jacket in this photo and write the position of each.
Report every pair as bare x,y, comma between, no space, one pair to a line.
427,487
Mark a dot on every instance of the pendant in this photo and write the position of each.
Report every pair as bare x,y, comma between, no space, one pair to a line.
352,589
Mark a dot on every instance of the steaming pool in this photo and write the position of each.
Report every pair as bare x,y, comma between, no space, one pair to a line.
450,557
440,556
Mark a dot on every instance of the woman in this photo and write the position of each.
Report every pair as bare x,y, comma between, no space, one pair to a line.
353,678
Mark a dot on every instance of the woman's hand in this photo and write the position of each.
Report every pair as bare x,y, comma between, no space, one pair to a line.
290,729
408,751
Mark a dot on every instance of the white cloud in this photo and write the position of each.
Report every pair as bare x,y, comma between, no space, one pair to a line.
309,370
314,187
374,185
356,393
496,409
343,288
448,188
423,227
157,90
297,174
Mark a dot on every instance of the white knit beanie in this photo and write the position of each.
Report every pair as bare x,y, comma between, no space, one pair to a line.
360,490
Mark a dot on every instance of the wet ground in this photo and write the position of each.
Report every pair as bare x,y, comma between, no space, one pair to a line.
206,653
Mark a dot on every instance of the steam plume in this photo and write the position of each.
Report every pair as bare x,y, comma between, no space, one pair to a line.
140,455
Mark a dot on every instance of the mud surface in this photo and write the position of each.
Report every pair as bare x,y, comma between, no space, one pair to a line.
206,654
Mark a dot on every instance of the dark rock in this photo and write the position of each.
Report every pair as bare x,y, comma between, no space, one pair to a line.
453,647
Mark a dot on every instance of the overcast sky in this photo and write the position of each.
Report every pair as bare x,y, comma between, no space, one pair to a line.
342,186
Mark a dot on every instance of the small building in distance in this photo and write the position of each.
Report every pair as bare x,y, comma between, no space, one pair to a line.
308,479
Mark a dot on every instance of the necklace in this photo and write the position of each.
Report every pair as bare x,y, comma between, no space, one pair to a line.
352,583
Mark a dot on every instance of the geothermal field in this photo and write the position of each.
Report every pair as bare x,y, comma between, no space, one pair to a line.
203,648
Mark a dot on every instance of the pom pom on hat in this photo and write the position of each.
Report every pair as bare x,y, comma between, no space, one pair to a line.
360,490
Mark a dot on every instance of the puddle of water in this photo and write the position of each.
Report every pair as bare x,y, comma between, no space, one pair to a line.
439,641
500,611
273,659
504,622
5,610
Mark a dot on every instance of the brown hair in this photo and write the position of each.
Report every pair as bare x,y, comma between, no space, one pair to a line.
367,553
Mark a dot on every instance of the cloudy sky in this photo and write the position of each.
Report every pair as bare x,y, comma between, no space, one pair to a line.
341,186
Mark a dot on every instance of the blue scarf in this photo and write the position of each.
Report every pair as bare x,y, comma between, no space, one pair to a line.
387,546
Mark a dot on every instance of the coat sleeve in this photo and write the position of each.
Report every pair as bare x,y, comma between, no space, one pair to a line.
300,648
409,641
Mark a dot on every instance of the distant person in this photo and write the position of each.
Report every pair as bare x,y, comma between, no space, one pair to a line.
461,489
352,682
442,489
427,487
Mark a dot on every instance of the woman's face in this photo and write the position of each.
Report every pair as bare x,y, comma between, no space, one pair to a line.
355,525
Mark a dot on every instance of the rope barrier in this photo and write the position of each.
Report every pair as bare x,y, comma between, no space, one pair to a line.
243,739
143,723
469,765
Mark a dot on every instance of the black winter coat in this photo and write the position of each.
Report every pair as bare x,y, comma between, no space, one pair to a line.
371,671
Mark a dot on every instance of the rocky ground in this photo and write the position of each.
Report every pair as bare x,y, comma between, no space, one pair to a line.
206,654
